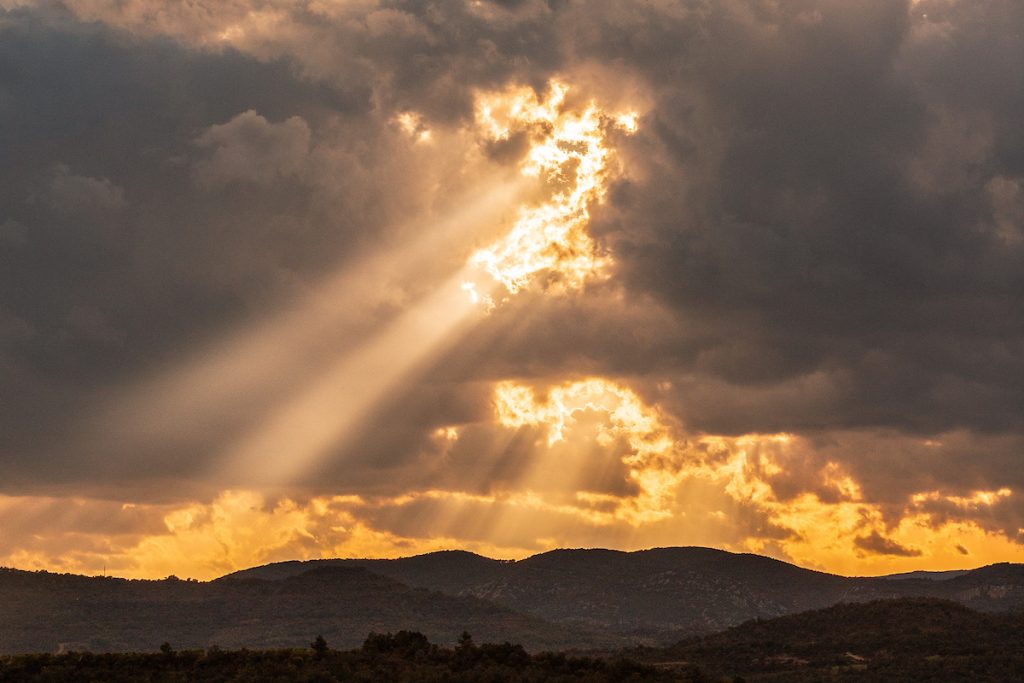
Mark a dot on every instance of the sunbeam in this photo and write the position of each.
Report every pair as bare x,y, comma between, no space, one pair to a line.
218,390
276,369
316,419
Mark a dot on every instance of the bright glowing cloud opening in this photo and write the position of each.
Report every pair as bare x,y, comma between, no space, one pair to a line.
655,465
568,151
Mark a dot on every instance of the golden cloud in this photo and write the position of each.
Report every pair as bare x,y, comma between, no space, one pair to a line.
676,489
568,151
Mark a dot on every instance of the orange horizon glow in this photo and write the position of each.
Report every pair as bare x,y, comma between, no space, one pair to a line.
235,531
680,484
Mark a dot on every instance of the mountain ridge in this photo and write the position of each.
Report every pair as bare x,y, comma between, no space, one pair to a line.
578,598
662,592
45,612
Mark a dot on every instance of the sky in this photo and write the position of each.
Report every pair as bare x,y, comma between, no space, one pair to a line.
365,278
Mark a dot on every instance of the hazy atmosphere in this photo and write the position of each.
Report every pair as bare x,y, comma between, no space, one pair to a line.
366,278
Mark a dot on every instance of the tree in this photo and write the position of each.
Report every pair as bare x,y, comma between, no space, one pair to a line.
319,647
466,653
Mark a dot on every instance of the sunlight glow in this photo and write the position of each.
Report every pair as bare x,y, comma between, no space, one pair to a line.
974,501
243,528
677,480
654,463
412,125
569,151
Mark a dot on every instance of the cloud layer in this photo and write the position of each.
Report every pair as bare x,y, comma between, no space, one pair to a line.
812,249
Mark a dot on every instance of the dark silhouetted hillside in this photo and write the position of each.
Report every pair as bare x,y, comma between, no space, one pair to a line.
934,576
910,639
663,593
563,598
45,612
447,571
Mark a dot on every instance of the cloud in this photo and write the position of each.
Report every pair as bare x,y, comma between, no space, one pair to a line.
1007,196
814,232
879,545
770,200
202,540
248,148
12,234
72,193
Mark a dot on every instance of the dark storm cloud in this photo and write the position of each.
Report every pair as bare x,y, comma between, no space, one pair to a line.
819,227
132,227
92,131
810,199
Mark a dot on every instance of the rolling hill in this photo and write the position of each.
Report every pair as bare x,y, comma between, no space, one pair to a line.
45,612
589,599
910,639
664,592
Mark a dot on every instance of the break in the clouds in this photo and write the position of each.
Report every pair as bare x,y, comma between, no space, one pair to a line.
296,279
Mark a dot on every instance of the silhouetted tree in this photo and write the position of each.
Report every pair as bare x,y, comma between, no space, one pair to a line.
403,642
319,646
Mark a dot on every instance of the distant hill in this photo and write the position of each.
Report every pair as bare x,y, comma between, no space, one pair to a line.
447,571
555,600
663,593
934,576
43,612
910,639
